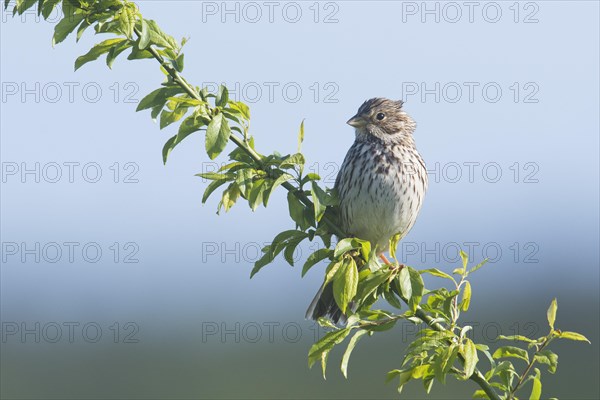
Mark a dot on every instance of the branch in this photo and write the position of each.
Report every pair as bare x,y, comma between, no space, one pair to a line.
477,376
177,78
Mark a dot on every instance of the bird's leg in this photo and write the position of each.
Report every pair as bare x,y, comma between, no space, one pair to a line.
384,259
389,263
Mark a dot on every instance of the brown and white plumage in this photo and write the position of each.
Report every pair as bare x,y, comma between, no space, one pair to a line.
381,183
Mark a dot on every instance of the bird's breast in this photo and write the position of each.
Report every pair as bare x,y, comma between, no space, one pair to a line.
381,191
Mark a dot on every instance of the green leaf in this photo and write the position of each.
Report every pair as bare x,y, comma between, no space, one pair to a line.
551,313
481,264
222,96
446,362
351,344
241,108
466,301
48,6
391,298
345,245
230,196
404,281
326,344
127,19
97,51
169,117
217,135
345,284
292,161
145,35
536,390
511,351
417,287
480,394
255,197
157,37
516,338
573,336
403,375
288,253
244,179
319,198
299,213
314,258
115,51
282,178
469,352
465,259
215,176
211,188
394,244
190,125
187,127
82,27
436,272
266,259
167,148
138,54
370,284
66,26
301,136
158,97
331,271
548,358
178,63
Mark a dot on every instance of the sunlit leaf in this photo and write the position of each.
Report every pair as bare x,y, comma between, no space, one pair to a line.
536,389
66,26
301,136
466,301
436,272
217,135
551,314
97,51
469,352
548,358
348,352
326,344
314,258
573,336
345,284
511,351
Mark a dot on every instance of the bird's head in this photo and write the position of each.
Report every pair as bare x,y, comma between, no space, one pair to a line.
384,119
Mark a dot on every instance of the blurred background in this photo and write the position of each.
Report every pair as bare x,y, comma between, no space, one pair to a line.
116,282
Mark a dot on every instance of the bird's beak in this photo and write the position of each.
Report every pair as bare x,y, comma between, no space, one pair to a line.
357,121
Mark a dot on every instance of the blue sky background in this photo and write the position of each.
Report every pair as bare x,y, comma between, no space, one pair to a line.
540,133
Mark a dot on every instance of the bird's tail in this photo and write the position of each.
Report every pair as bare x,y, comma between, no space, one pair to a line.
324,305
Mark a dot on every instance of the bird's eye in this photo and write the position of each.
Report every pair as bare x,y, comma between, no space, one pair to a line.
380,116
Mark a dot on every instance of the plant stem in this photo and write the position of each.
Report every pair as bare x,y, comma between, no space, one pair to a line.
522,378
477,376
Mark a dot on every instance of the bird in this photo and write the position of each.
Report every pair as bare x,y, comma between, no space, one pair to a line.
381,185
